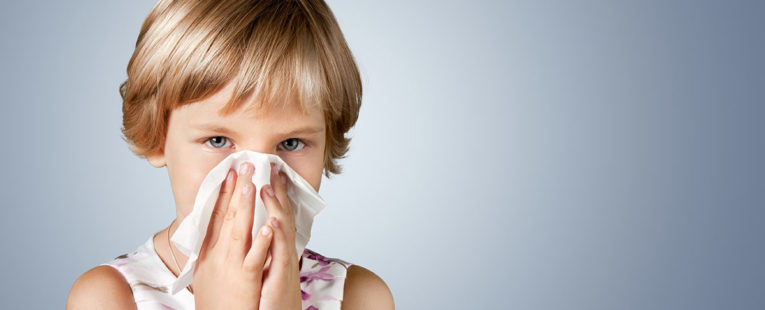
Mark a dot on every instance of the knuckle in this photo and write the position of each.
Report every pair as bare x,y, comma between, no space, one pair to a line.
288,208
276,212
286,215
230,214
282,263
217,213
236,235
289,221
250,268
284,201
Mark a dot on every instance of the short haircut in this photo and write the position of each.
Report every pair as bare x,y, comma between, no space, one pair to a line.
188,50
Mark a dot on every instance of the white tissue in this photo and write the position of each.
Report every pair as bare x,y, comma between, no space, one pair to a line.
305,201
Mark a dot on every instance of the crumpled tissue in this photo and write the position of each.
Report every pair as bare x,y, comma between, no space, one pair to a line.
305,201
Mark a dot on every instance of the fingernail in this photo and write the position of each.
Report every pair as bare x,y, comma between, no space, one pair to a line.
274,222
274,171
284,179
229,177
243,168
265,231
269,191
246,189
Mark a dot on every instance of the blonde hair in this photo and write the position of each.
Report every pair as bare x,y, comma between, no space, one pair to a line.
188,50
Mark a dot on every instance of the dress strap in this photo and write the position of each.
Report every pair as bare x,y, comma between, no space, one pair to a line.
147,276
322,281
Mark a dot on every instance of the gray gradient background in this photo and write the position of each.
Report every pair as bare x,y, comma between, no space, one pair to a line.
509,155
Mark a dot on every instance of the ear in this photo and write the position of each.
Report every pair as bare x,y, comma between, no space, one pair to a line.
157,159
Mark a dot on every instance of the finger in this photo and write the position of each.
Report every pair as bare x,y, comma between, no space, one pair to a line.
258,253
279,181
283,253
219,212
278,206
285,214
227,234
283,256
241,233
244,203
272,204
268,194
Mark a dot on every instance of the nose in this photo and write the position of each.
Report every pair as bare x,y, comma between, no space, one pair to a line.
257,147
264,168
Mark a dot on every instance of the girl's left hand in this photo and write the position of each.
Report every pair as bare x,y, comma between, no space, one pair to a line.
281,279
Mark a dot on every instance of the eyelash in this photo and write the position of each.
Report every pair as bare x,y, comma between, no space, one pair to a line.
301,144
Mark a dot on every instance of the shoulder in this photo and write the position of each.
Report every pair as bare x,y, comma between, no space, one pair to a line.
102,287
365,290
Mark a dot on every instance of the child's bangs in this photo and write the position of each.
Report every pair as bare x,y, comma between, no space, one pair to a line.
290,73
274,62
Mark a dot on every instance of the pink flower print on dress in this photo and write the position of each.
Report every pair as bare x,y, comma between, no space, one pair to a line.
321,260
322,274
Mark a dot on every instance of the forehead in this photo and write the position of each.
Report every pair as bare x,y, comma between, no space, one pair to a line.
283,110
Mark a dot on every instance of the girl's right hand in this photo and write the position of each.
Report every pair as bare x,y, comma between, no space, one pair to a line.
229,270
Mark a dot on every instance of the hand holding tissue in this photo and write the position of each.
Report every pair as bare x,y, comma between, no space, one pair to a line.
189,236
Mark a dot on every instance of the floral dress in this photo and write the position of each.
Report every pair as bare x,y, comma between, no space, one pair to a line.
321,280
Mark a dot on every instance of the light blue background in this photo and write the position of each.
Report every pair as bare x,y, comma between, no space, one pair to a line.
509,154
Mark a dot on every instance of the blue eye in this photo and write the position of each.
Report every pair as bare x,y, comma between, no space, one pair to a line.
292,144
217,142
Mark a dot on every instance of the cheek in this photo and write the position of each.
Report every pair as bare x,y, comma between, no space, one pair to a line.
309,168
187,171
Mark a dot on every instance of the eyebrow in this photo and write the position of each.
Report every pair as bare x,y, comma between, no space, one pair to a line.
223,130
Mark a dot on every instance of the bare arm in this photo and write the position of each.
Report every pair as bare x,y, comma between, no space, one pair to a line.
102,287
365,290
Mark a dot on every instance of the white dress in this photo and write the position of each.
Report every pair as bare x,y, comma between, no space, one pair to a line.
321,280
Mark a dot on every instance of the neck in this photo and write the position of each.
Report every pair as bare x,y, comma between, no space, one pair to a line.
174,259
163,247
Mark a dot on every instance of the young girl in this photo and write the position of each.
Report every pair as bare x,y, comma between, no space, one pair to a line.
211,78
